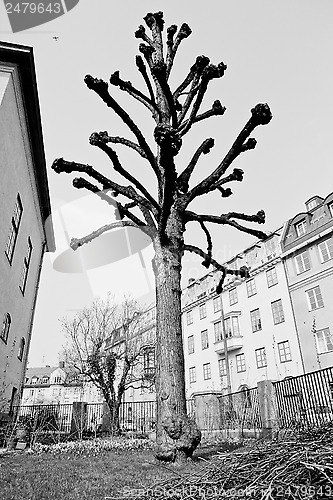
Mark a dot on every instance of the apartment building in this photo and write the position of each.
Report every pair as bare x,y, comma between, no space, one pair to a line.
25,210
307,246
57,385
260,339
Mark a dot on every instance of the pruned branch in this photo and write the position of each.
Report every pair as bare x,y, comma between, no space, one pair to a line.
159,72
216,110
99,141
60,165
242,272
155,23
184,32
207,262
78,242
195,70
132,91
209,73
184,177
227,219
106,138
260,115
141,33
142,69
101,88
194,76
236,175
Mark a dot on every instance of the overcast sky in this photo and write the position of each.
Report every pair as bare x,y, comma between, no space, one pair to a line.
276,52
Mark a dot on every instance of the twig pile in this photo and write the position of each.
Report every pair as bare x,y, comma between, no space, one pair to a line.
300,467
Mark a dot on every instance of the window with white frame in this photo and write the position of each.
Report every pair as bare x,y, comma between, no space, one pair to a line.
222,364
45,379
6,322
315,299
233,298
204,339
255,320
34,380
300,228
251,287
26,265
21,349
326,250
192,374
57,380
302,262
232,327
190,344
202,311
217,304
14,229
261,357
189,317
324,340
240,363
218,331
277,311
284,351
271,277
206,371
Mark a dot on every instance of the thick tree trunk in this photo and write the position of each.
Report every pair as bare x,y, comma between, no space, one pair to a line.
177,435
114,416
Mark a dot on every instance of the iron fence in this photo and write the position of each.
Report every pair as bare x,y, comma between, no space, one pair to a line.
241,410
139,416
305,400
52,418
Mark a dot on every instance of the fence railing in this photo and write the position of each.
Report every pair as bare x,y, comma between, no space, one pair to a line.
306,399
137,416
240,410
53,418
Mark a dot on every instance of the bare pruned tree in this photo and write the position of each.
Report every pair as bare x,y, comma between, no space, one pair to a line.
163,215
105,343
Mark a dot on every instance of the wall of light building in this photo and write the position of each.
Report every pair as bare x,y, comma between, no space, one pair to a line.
17,177
268,337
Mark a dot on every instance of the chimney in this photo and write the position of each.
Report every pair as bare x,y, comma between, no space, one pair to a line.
61,364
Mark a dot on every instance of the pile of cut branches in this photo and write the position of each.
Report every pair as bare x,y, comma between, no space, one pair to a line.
295,467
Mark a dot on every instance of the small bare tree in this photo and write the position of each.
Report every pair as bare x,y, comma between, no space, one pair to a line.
163,215
104,344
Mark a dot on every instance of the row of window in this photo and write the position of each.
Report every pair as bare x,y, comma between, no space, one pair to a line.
272,280
6,323
232,328
11,243
314,299
261,361
302,260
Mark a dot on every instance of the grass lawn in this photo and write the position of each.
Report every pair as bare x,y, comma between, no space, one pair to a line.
67,476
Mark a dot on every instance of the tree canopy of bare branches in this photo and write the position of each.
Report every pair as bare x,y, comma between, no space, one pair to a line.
163,215
105,343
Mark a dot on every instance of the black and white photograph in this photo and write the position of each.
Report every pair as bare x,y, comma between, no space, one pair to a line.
166,250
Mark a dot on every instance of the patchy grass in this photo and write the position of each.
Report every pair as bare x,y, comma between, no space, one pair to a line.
88,471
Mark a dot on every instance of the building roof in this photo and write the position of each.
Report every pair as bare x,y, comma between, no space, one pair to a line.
22,56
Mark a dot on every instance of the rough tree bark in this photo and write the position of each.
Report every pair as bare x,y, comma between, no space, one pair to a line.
164,217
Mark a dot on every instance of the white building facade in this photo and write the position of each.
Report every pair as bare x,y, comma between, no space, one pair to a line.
261,337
